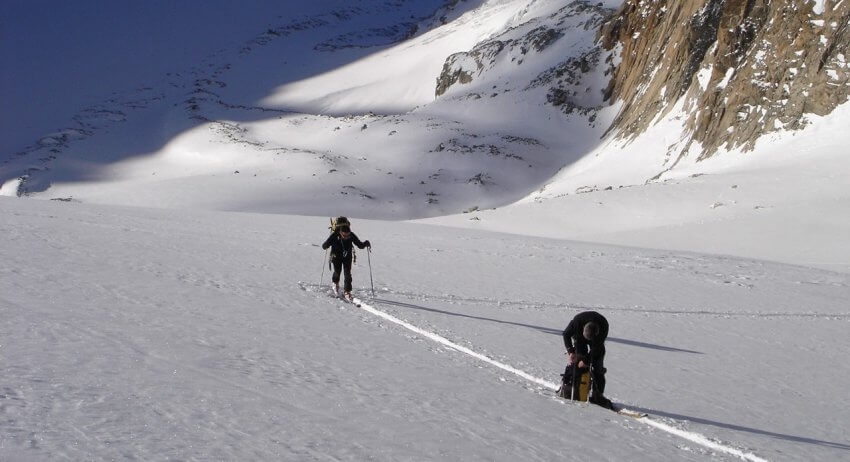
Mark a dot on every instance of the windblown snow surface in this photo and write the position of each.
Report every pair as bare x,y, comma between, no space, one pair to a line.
131,333
166,299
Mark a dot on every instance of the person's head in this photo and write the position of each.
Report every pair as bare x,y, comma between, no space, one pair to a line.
344,231
591,331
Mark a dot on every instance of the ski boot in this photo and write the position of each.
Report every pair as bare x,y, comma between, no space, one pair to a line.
600,400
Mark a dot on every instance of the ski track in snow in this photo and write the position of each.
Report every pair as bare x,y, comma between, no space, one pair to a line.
687,435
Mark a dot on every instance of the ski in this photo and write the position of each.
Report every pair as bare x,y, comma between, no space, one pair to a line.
341,296
629,412
564,393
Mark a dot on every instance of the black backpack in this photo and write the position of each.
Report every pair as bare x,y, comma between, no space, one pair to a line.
337,223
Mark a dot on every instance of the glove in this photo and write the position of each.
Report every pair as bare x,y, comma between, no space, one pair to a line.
368,244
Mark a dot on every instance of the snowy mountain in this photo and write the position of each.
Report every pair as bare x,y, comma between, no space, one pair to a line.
167,170
404,110
335,107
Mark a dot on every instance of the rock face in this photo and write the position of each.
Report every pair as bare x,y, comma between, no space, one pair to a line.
742,68
527,42
739,69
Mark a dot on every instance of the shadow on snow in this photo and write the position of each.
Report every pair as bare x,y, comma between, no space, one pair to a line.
283,63
546,330
740,428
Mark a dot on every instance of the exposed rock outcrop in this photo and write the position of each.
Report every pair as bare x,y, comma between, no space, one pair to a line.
525,41
745,68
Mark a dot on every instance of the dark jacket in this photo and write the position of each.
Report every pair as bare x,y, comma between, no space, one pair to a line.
574,338
341,248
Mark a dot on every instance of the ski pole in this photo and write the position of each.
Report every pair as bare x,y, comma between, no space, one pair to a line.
369,257
590,371
322,279
576,382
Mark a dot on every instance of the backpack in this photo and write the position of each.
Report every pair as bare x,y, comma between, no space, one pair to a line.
338,222
575,383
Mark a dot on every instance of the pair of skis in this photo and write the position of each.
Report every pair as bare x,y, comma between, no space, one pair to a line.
341,295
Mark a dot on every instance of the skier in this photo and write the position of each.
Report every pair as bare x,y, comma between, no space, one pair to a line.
584,338
341,242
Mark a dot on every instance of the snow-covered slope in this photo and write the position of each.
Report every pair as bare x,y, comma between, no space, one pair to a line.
394,110
789,200
332,109
197,333
131,333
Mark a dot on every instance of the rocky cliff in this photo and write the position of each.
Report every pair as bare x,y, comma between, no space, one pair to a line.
563,74
741,68
731,70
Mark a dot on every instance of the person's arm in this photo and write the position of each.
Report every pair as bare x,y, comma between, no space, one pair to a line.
360,245
327,242
569,332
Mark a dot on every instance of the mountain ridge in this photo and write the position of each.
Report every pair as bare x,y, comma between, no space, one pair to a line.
476,105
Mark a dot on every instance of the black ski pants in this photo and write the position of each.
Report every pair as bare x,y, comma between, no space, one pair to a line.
597,370
340,265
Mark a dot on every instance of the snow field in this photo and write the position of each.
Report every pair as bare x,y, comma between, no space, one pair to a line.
154,334
694,437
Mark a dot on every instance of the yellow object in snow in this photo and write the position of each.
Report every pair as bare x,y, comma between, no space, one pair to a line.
581,387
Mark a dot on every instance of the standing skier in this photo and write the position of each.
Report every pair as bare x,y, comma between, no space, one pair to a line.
584,338
341,242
